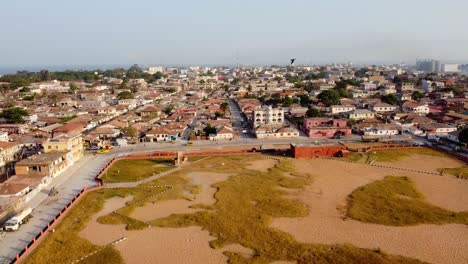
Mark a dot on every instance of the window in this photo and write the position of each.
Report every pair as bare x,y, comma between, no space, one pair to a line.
49,147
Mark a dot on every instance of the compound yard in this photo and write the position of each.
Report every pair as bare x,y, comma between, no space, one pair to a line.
265,209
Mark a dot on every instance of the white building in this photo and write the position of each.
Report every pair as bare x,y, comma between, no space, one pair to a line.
155,69
360,114
381,131
383,107
268,115
336,109
449,67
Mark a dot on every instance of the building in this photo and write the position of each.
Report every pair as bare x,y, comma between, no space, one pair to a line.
450,68
382,107
381,130
337,109
268,131
437,129
155,69
326,127
71,145
222,133
43,165
268,115
428,65
415,108
360,114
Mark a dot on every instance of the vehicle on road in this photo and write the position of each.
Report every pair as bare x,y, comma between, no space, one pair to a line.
22,217
245,131
92,148
190,143
102,151
53,192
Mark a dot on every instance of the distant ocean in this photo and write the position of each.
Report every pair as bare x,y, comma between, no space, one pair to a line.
9,70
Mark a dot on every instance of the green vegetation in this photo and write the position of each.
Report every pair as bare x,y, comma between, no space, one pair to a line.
461,172
64,120
394,201
389,99
391,155
66,244
125,95
14,115
128,170
329,97
246,204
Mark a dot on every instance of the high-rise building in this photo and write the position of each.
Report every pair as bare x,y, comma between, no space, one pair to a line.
268,115
428,65
449,68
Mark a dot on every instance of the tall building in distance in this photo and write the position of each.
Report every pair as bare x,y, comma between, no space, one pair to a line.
450,67
428,65
268,115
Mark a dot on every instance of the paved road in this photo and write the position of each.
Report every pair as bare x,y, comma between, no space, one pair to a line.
82,174
68,184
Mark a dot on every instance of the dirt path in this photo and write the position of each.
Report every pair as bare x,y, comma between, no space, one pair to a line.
328,192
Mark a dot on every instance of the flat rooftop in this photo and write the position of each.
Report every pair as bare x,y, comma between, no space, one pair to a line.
41,159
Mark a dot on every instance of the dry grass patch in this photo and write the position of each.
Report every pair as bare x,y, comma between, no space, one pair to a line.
391,155
461,172
130,170
394,201
245,206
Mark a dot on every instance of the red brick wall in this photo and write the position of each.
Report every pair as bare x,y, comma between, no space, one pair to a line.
320,151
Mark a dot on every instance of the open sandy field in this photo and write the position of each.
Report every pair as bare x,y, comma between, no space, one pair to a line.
335,180
164,245
326,197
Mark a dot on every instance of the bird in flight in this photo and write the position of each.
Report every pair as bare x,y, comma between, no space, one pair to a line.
292,62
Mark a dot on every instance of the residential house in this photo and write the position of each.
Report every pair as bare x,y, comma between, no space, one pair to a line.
382,107
360,114
416,108
71,144
326,127
437,129
269,131
338,109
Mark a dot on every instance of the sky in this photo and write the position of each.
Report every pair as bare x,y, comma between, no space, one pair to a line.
55,33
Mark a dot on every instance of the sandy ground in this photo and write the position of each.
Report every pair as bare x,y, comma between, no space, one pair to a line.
327,194
262,165
164,245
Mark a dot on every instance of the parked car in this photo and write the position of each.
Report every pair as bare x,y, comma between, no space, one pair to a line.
92,148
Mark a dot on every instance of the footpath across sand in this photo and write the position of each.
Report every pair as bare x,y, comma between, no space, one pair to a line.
335,180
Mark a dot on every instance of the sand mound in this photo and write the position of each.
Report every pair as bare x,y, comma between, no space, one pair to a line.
328,193
262,165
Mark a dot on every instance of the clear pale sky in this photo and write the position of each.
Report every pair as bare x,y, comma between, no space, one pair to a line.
150,32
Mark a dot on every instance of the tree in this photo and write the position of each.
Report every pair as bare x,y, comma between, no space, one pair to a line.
304,99
224,106
73,88
131,132
158,75
389,99
209,130
14,115
125,95
343,93
313,112
352,122
168,109
463,136
287,101
329,97
218,114
417,95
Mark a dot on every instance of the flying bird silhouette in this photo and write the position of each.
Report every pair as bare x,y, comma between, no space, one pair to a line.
292,62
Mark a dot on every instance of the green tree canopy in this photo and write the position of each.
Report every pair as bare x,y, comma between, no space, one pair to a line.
389,99
14,115
417,95
329,97
313,113
125,95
